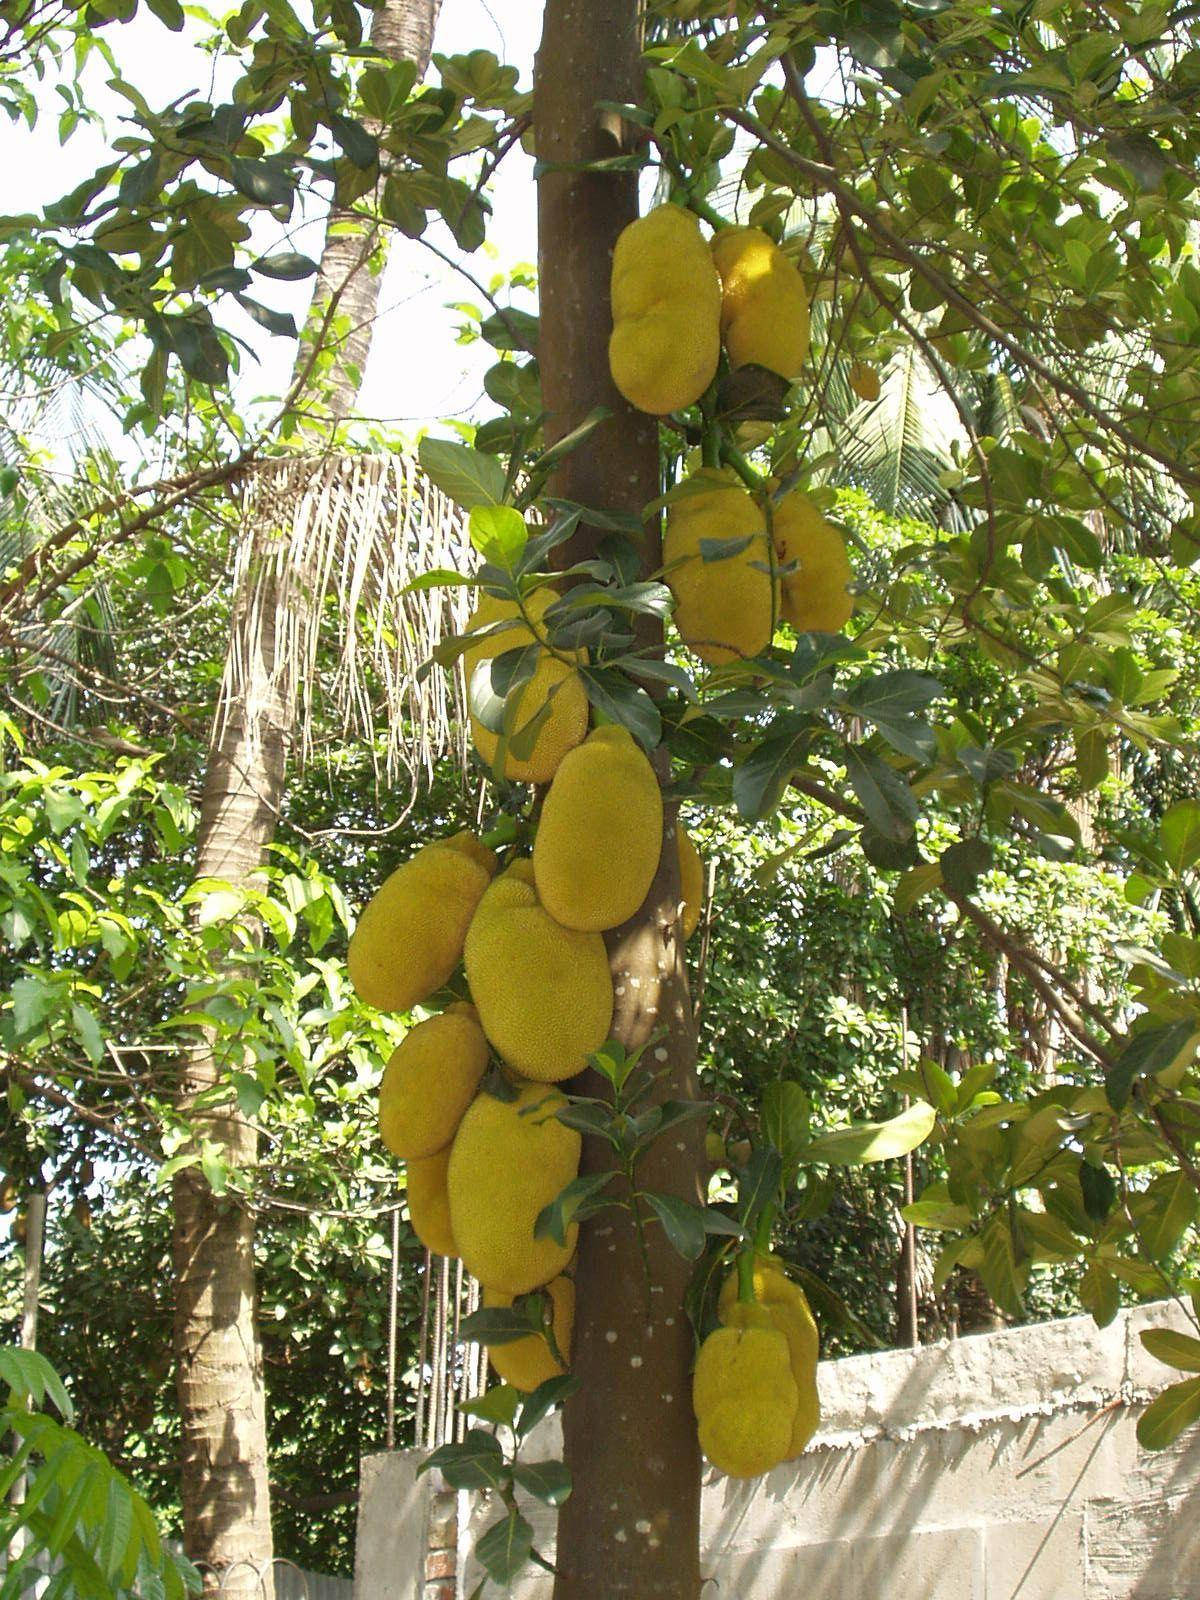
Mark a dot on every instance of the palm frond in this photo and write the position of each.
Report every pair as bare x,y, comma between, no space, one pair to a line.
330,545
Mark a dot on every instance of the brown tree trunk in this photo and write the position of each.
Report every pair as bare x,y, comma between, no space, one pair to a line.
631,1526
218,1353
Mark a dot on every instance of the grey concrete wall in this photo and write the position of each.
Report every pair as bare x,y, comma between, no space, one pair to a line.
998,1467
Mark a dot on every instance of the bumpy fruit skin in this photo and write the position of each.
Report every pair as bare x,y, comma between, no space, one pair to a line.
745,1398
666,307
504,1169
764,305
723,608
429,1204
691,882
567,722
430,1081
543,992
814,595
786,1304
410,936
600,834
524,1363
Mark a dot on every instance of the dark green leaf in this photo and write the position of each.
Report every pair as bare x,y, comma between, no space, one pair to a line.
683,1223
548,1481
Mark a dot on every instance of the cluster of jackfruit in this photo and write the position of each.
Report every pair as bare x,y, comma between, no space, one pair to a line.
754,1390
484,1148
675,301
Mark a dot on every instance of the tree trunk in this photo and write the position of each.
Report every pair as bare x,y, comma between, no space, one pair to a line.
631,1526
351,266
218,1353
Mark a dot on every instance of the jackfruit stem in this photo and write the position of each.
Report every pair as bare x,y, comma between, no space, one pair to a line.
745,1271
732,457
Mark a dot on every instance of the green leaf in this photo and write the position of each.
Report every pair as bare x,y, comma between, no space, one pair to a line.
962,864
468,477
580,1196
884,795
758,1185
543,1400
1162,1213
682,1222
503,1551
288,265
1176,1349
761,780
873,1141
1100,1293
498,533
623,702
501,1324
1099,1190
548,1481
477,1462
786,1119
1179,833
1003,1267
1165,1418
499,1405
1148,1051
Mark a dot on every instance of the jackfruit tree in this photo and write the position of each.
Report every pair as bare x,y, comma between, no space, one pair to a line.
752,266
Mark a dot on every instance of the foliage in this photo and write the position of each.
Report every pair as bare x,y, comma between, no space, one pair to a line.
78,1519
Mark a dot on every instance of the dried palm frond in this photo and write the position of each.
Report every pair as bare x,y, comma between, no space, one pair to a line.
329,545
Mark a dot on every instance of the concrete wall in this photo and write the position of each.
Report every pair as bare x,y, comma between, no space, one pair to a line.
998,1467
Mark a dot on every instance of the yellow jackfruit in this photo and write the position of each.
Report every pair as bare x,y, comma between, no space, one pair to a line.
553,679
764,305
745,1398
409,938
864,381
600,834
430,1081
691,882
723,608
504,1169
524,1363
428,1203
787,1307
814,596
543,992
666,309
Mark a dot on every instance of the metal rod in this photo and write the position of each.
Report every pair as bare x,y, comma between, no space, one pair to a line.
422,1350
910,1232
390,1431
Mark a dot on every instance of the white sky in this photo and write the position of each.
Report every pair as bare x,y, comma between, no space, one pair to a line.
417,374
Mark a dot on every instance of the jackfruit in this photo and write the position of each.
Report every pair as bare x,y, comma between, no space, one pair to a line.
504,1169
524,1363
745,1397
691,882
600,834
864,381
787,1307
430,1081
764,305
553,680
543,992
814,595
428,1203
666,310
724,608
409,938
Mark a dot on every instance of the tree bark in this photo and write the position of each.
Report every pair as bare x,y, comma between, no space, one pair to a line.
218,1353
631,1526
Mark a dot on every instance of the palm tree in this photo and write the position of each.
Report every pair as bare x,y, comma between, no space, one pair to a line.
278,600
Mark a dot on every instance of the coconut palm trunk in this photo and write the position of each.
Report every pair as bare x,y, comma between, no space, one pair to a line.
218,1353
